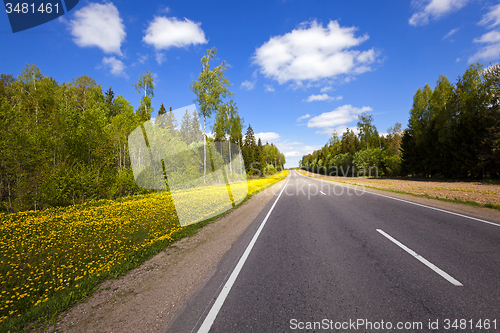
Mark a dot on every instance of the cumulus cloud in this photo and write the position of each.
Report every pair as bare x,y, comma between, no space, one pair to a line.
313,52
306,116
248,85
267,136
342,115
434,9
163,33
98,25
322,97
116,66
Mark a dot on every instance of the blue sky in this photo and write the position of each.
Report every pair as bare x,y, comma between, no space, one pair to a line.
299,69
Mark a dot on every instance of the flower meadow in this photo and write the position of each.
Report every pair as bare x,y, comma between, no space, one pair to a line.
49,259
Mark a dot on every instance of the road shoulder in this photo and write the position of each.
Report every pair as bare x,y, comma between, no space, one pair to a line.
147,298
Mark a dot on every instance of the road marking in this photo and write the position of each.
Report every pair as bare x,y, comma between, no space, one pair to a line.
423,260
210,318
416,204
322,192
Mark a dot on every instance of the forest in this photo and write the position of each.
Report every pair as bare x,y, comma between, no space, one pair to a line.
67,143
453,132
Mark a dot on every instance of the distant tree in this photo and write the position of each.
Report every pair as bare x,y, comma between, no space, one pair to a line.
145,84
185,130
109,97
195,134
349,142
248,149
368,135
162,110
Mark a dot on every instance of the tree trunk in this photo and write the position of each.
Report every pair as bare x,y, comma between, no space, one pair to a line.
204,147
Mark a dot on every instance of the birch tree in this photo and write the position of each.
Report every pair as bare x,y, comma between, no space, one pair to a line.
145,84
210,90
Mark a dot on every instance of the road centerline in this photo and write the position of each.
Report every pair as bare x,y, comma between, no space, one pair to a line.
436,269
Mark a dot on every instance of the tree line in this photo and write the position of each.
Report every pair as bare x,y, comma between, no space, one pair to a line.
364,154
67,143
453,132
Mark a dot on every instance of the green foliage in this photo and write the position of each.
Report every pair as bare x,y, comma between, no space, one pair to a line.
452,130
145,84
62,143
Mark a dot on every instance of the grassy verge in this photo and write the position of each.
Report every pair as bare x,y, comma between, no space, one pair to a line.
53,258
466,202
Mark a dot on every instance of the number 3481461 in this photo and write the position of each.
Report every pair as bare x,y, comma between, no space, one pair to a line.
25,8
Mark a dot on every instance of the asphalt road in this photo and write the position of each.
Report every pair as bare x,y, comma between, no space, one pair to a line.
331,259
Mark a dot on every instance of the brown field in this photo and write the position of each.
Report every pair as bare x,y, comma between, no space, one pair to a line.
479,192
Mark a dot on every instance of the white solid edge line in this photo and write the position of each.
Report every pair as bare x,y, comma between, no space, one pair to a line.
417,204
322,192
210,318
423,260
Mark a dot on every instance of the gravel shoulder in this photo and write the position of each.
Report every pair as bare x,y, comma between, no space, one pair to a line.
147,297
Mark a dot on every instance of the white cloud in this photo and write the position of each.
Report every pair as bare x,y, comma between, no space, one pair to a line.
490,51
493,17
98,25
490,37
116,66
269,88
143,58
326,89
303,117
487,52
164,33
248,85
160,58
434,9
340,116
322,97
295,149
267,136
452,31
292,154
313,52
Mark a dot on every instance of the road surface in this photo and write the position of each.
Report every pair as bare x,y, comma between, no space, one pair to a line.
323,257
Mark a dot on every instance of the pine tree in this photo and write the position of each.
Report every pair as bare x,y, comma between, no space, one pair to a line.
248,149
195,133
162,110
185,130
